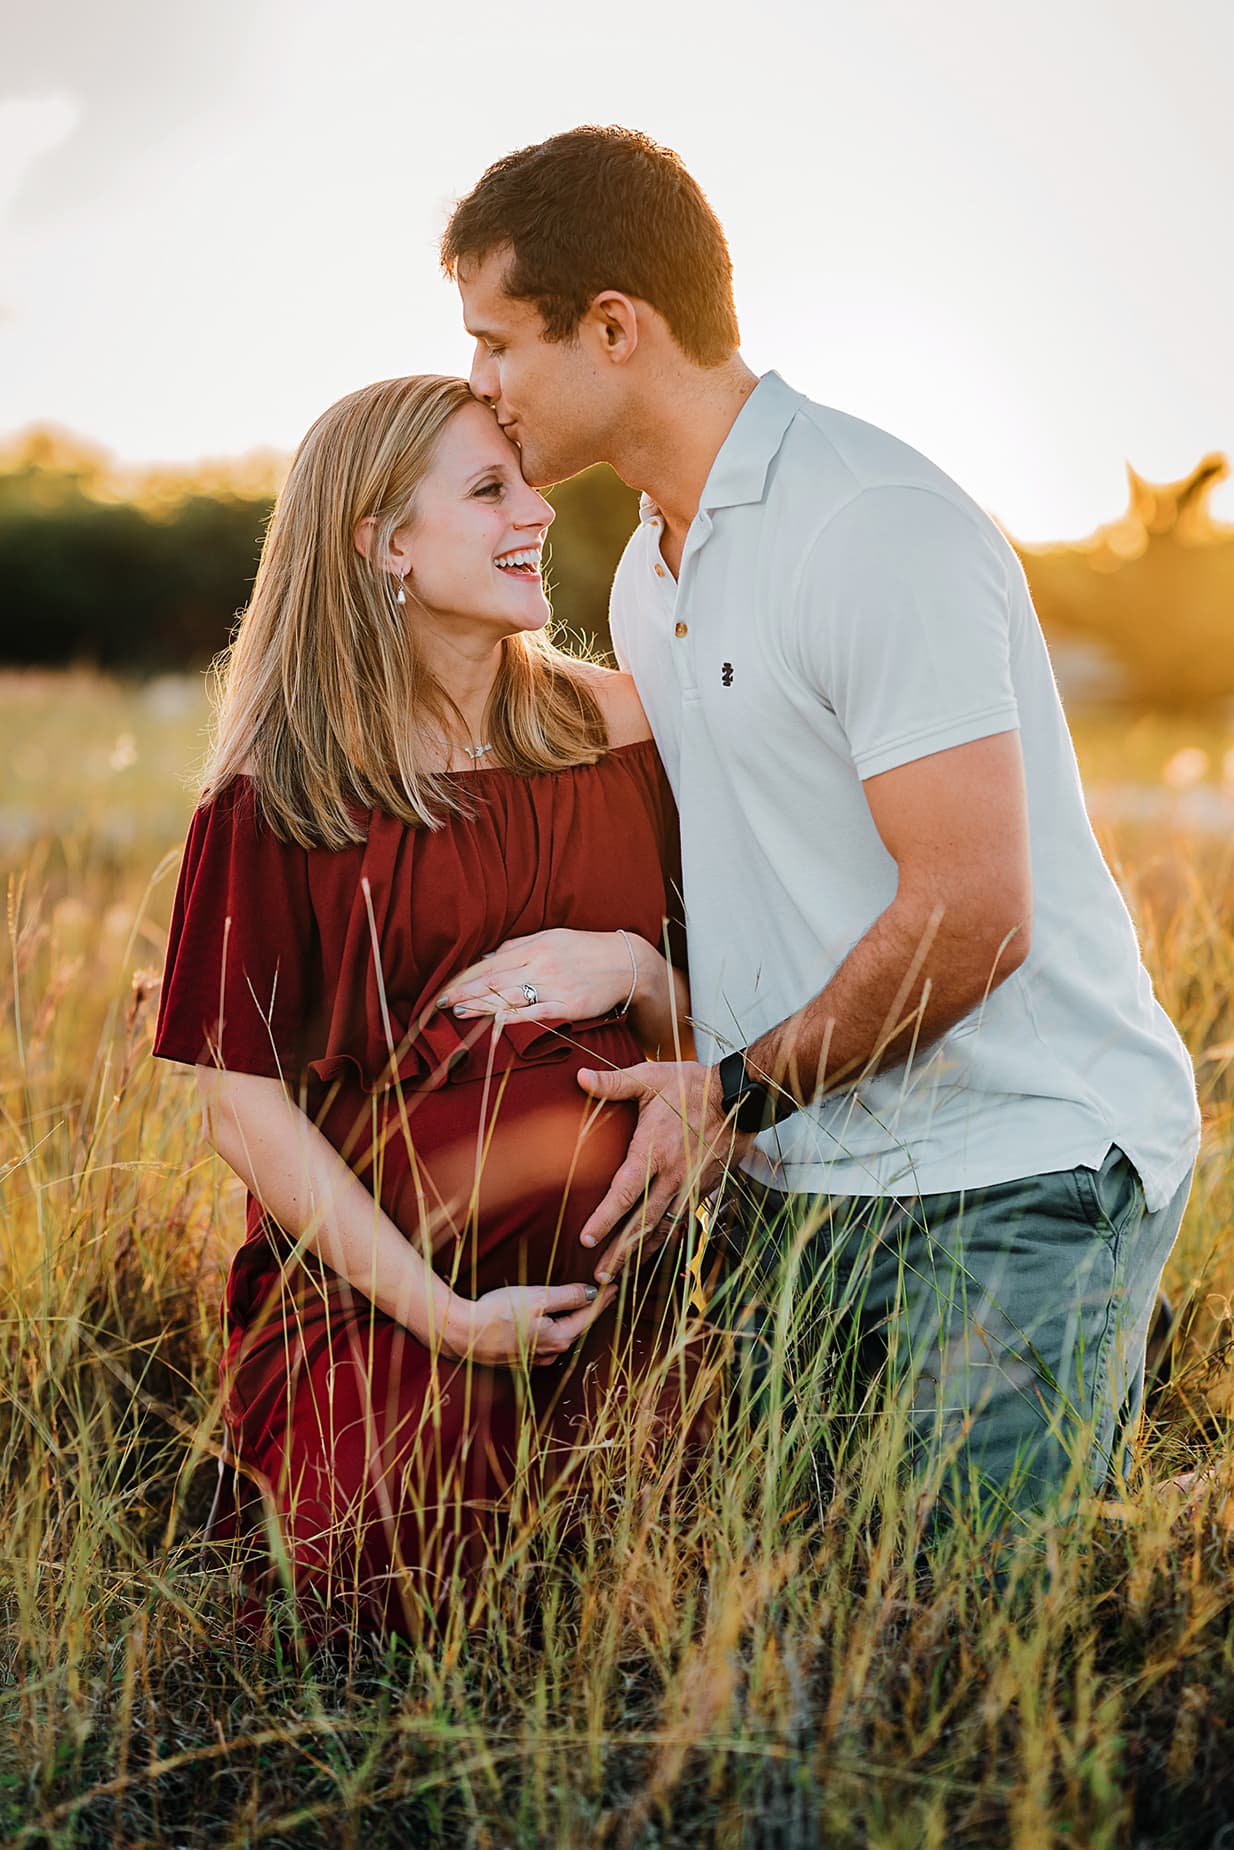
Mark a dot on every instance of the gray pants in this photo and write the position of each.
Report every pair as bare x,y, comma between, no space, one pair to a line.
1012,1319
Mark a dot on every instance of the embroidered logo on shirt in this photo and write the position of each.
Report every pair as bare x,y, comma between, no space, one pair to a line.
726,674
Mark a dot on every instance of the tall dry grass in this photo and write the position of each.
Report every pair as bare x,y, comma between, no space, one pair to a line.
766,1659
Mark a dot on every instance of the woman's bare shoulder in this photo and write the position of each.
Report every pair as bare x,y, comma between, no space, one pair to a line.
619,703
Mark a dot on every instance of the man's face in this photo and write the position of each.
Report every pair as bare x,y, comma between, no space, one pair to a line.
552,398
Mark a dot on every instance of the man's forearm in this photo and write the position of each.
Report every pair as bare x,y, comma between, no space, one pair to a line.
914,974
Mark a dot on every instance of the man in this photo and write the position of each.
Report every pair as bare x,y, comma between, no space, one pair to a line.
918,996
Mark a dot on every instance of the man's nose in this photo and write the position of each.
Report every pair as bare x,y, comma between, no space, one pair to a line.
483,379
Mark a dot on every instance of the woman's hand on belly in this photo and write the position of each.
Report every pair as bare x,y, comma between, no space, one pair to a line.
514,1323
562,975
575,976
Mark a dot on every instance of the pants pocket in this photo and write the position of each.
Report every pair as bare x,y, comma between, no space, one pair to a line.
1114,1193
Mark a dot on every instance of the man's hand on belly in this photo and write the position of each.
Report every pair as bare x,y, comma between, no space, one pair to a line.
683,1144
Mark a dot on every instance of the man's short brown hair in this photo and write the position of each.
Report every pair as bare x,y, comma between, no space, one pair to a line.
596,209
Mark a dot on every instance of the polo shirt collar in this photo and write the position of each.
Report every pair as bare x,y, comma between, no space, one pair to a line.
739,473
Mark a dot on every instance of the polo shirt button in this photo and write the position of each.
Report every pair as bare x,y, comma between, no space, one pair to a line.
659,571
681,629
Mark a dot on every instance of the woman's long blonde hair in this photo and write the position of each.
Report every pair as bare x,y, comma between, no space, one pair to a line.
323,695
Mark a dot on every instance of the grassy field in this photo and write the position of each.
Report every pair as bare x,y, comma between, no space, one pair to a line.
761,1663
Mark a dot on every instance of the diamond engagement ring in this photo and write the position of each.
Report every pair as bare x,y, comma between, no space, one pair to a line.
532,994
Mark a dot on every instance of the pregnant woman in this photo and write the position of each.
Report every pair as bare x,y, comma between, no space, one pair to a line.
408,784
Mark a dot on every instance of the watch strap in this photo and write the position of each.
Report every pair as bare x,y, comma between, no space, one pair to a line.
747,1099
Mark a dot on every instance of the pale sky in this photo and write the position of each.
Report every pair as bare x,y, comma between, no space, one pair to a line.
999,228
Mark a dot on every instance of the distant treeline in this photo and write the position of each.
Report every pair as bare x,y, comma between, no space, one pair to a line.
156,580
150,575
1143,611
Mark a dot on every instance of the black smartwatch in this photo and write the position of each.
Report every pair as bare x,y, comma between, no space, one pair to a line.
749,1101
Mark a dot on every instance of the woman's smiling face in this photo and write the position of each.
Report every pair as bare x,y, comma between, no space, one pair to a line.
473,550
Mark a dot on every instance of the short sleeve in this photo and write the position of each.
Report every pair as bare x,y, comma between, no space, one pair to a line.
240,948
905,622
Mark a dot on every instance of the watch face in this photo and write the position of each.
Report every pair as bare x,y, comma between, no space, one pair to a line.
744,1097
752,1111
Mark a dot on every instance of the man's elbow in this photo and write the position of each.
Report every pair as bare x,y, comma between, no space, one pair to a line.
986,933
1007,947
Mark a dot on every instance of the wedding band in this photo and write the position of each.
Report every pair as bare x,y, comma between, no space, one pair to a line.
532,994
672,1220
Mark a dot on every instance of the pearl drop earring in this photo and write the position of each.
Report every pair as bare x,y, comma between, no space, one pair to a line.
401,595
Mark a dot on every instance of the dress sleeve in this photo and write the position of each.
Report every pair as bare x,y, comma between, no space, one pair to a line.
238,974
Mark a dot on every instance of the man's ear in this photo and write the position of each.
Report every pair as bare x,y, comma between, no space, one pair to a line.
613,318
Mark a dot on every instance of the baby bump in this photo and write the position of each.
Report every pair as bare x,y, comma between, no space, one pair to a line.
499,1177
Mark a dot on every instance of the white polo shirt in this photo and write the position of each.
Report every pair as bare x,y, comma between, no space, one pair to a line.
843,607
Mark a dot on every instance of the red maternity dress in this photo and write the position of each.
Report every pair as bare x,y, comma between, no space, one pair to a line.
389,1467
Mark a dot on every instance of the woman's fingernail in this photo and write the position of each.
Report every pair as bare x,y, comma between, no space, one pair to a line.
593,1292
443,1001
586,1239
460,1008
605,1278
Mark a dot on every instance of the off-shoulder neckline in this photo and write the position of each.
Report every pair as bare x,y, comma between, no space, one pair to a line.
503,770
